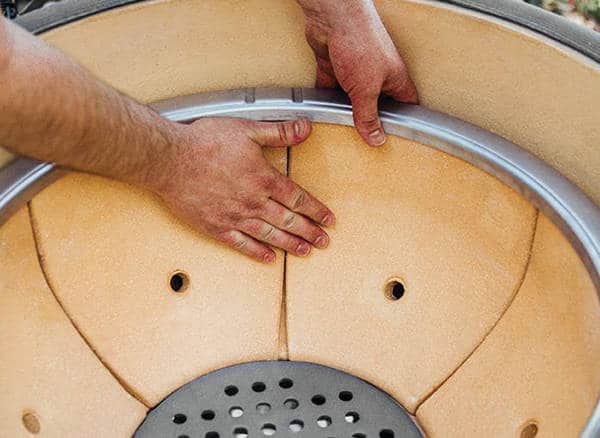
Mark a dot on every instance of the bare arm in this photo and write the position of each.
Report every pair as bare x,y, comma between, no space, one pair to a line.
354,50
211,173
53,110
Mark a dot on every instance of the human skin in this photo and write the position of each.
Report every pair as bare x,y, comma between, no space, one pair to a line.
212,173
354,50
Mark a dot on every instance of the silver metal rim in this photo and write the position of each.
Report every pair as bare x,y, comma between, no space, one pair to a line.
553,194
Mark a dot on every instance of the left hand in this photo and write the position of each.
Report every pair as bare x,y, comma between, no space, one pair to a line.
216,178
353,49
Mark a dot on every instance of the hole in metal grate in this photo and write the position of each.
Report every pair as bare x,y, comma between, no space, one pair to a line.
324,421
240,432
208,415
258,387
291,403
286,383
236,412
179,418
263,408
318,400
296,425
345,396
351,417
278,399
231,390
268,429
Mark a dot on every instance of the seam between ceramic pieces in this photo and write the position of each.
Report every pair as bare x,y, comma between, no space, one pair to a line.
508,306
121,382
283,347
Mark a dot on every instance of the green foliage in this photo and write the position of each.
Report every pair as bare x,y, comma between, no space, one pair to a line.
589,8
550,5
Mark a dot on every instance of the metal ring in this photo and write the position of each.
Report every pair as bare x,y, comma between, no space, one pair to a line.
579,38
559,199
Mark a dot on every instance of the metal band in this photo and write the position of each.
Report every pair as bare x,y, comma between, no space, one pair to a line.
563,202
559,199
579,38
53,15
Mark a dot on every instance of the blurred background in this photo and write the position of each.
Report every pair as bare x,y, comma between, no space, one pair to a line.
584,12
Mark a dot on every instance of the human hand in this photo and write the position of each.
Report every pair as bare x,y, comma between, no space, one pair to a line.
219,181
211,173
353,49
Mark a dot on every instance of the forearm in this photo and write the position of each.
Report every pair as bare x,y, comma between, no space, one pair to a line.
54,110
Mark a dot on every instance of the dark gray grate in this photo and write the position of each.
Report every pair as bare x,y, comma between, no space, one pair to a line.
278,399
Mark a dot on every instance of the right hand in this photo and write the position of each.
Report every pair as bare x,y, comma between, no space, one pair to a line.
354,50
219,181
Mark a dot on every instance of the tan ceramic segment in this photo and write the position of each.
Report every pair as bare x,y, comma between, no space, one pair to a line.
541,361
46,367
171,48
465,66
231,313
526,89
5,157
109,250
486,73
457,237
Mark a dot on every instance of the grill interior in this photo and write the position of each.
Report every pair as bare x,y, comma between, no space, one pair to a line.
281,399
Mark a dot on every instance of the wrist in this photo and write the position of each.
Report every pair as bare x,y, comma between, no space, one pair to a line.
337,14
163,163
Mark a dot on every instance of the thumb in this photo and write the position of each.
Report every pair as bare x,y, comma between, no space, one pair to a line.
280,134
366,118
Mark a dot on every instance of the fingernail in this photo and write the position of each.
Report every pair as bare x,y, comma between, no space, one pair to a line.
269,258
377,137
328,220
321,241
298,128
303,249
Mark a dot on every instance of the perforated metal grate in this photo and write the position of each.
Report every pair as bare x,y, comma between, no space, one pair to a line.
278,399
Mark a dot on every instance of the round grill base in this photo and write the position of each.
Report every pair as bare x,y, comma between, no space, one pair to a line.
279,399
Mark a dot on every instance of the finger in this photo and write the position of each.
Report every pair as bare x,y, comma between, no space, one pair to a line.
272,235
247,245
401,88
294,223
366,117
279,134
295,198
325,75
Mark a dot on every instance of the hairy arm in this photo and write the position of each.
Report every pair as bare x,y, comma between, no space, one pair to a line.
212,173
53,110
